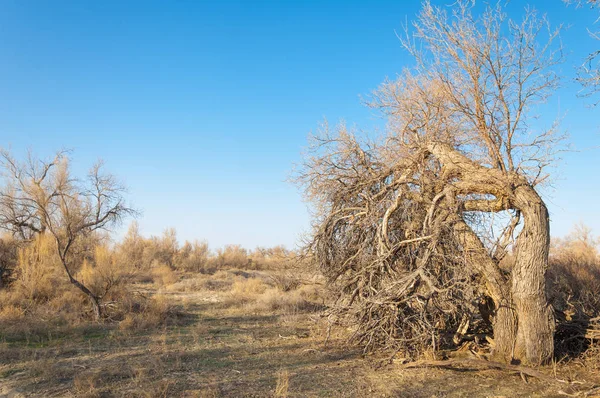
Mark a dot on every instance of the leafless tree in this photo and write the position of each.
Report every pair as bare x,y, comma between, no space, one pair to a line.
399,221
42,197
589,72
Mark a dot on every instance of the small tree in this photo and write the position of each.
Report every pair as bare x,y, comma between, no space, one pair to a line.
41,197
403,228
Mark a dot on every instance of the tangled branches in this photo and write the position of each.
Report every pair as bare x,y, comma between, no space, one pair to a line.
402,227
387,245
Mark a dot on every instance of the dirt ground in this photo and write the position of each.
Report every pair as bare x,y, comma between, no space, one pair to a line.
218,350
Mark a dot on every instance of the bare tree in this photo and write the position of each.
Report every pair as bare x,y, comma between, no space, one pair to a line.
399,222
589,72
42,197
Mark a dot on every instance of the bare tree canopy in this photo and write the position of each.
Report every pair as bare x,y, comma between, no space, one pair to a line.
589,72
42,197
400,222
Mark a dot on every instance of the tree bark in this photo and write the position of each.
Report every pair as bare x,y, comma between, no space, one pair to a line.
524,321
93,299
535,335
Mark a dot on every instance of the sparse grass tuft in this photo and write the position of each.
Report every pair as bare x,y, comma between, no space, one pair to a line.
283,384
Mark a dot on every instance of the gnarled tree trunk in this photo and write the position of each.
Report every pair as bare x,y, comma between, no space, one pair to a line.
524,321
535,334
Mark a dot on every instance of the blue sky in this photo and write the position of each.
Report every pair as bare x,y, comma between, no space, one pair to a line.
202,108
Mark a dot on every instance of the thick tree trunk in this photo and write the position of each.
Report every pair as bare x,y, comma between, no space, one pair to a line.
535,334
523,322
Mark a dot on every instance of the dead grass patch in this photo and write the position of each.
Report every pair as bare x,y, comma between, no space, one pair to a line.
283,384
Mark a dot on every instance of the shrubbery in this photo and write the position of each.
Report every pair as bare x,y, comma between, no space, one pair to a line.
35,291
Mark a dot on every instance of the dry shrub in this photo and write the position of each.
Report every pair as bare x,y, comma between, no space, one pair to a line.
142,253
285,281
40,297
158,389
143,276
11,313
69,301
275,300
232,256
131,248
105,273
270,258
38,270
200,283
8,259
148,313
161,249
221,275
193,257
163,275
304,299
216,285
574,272
187,284
573,284
85,384
245,290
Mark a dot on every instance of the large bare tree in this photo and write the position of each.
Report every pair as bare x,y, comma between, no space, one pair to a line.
412,228
42,197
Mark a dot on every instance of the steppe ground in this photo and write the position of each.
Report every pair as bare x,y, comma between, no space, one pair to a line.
235,334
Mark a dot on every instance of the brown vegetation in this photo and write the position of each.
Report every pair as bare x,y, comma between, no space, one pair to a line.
412,228
434,241
232,332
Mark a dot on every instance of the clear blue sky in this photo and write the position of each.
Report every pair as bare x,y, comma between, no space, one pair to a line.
202,108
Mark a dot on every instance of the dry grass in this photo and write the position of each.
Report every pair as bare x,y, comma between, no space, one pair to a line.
175,330
263,343
283,384
152,313
164,275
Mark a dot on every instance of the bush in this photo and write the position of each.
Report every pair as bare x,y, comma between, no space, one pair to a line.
573,286
39,271
147,314
285,281
574,272
193,257
163,274
8,259
232,256
105,272
245,291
